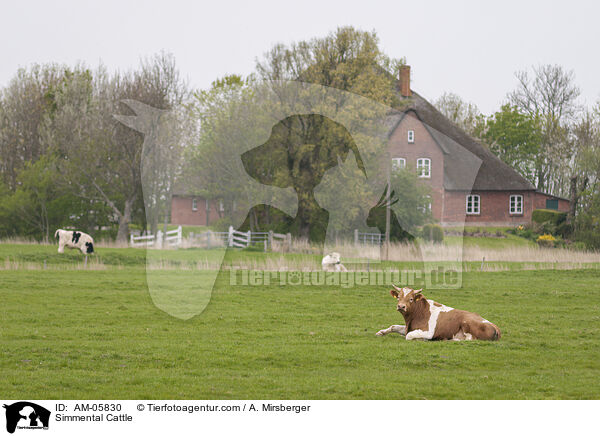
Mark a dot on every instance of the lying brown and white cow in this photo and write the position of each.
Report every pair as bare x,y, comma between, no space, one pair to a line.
74,239
427,319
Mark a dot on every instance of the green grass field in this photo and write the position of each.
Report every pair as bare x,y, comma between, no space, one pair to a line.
82,334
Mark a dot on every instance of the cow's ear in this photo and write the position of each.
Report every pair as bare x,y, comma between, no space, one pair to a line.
418,294
394,293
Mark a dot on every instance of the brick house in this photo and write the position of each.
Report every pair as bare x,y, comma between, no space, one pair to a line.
468,183
193,210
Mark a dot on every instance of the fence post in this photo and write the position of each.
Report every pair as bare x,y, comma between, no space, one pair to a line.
270,239
131,239
230,237
179,236
208,239
289,241
249,238
355,236
158,240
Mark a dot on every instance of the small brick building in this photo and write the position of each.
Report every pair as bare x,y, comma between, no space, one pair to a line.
468,183
194,210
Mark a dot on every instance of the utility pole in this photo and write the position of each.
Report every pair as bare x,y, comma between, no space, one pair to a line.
387,211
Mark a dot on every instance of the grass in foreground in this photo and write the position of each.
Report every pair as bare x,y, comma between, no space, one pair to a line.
96,334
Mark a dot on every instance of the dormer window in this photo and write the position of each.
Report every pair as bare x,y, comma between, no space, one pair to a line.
411,136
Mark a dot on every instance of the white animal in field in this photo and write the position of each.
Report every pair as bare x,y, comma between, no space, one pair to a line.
74,239
332,262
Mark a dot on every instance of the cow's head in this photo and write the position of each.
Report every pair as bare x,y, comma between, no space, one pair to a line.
89,247
406,298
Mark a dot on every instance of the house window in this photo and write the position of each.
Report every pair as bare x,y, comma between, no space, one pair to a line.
551,204
426,205
516,204
194,204
221,206
473,202
424,167
398,163
411,136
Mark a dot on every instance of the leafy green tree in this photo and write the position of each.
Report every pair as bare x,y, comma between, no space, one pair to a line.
347,60
515,138
41,204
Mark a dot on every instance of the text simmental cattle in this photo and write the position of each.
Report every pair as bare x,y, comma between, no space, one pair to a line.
427,319
74,239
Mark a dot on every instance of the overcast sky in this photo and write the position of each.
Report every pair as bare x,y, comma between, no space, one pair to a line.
471,48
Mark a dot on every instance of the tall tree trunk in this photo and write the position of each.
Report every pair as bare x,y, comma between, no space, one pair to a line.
124,220
573,201
574,195
167,214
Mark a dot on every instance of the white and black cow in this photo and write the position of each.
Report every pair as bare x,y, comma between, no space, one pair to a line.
74,239
430,320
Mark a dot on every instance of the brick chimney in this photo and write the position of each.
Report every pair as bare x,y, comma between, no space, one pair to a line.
404,81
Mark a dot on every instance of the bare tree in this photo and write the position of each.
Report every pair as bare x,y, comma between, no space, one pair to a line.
23,105
101,157
464,115
551,96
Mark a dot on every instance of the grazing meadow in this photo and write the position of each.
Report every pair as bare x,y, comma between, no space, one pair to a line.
72,330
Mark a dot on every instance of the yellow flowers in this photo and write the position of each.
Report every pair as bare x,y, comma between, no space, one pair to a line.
546,238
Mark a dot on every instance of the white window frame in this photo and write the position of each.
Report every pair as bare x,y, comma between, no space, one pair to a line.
411,136
398,163
426,207
420,167
514,210
194,204
471,198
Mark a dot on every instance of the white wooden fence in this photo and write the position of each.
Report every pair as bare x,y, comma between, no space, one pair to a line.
172,238
235,238
368,238
239,239
210,239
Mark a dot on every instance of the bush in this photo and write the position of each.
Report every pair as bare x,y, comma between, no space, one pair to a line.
222,224
564,230
433,233
546,240
554,217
